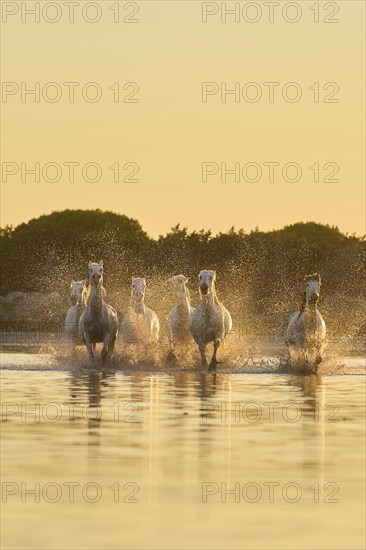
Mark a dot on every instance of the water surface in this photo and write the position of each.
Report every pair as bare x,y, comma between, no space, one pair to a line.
157,452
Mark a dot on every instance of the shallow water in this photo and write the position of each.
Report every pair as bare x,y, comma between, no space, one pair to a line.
158,451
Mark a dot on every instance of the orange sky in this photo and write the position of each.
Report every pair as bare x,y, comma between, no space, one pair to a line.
170,132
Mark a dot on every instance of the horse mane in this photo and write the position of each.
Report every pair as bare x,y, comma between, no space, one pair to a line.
188,294
311,277
302,305
87,290
215,297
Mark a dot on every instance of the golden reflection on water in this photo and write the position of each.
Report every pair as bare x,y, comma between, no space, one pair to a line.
169,445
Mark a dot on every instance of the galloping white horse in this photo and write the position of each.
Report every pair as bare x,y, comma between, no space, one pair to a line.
305,335
78,299
179,317
210,321
98,322
140,325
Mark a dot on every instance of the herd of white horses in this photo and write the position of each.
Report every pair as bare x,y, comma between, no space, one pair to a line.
90,320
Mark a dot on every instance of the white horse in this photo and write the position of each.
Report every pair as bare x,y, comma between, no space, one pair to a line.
210,321
78,293
179,317
305,335
98,322
140,325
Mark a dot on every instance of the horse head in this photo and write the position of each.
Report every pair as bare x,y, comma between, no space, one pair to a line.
178,283
76,291
138,287
207,280
312,287
96,273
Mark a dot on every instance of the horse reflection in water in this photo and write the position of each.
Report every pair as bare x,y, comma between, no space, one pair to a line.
315,413
89,383
188,407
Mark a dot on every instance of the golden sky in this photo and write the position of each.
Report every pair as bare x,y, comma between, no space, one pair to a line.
170,132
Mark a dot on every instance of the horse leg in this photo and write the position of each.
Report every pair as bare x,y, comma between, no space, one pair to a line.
89,347
318,356
106,341
213,362
202,347
69,332
172,344
319,350
171,353
111,345
72,342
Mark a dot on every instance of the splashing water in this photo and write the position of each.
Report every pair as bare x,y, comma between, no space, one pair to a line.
32,323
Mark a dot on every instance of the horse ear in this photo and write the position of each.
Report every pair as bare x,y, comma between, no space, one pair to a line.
101,263
132,279
72,281
84,282
89,265
186,279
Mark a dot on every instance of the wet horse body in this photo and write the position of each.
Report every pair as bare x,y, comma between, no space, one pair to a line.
98,322
78,299
306,332
210,321
179,317
140,324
